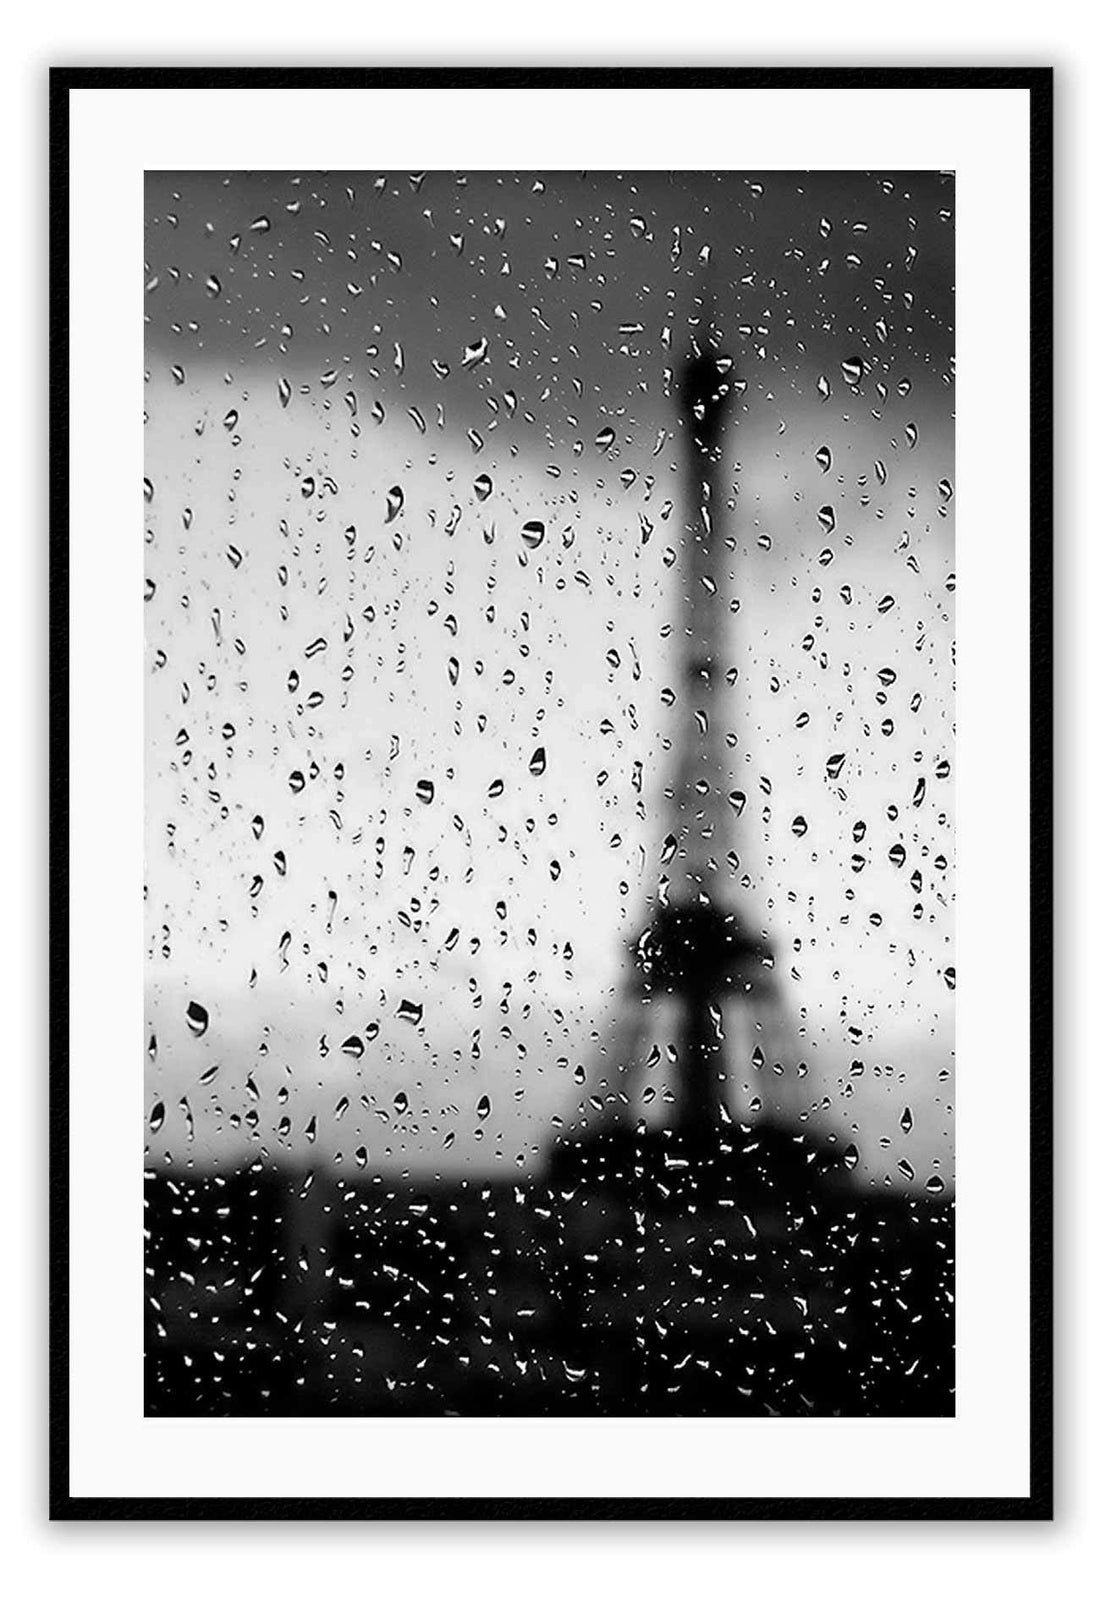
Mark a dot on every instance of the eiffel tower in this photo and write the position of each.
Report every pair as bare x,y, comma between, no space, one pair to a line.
698,949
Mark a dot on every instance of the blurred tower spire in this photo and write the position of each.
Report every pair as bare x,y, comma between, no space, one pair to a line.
706,389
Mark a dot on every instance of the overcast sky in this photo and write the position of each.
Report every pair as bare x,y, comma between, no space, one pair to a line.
413,518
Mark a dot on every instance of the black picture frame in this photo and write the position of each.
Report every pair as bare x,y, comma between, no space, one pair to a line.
1037,82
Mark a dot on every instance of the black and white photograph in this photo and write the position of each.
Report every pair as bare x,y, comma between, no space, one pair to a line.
549,621
551,798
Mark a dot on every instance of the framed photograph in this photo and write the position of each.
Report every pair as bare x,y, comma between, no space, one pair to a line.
551,804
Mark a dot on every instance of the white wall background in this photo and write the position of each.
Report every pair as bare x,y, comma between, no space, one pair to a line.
288,1563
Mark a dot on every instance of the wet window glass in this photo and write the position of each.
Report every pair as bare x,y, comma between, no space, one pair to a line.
549,663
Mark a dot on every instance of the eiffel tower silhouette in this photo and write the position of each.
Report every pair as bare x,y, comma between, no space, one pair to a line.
698,949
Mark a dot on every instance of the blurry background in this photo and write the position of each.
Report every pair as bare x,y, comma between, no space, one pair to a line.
413,520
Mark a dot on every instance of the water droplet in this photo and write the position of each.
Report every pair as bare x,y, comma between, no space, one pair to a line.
395,501
537,766
483,487
533,533
475,353
409,1011
425,791
198,1018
